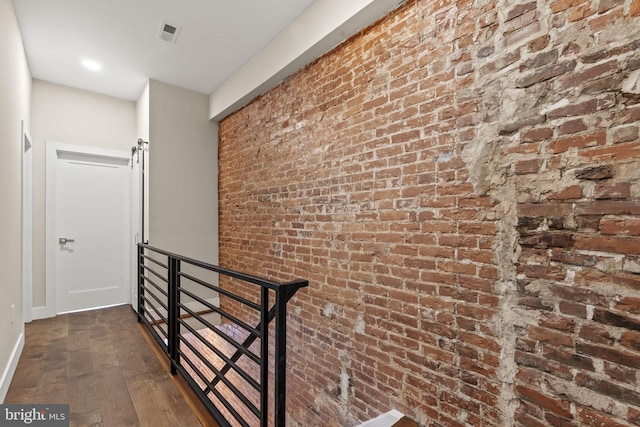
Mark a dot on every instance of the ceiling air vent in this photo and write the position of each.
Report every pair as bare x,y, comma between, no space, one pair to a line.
168,32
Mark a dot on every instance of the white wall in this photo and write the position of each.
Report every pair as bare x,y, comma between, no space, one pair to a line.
15,88
72,116
183,173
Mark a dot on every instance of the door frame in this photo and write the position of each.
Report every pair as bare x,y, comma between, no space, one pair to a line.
27,224
51,241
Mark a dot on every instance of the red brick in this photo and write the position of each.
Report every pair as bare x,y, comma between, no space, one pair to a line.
581,77
608,244
547,336
602,207
596,334
572,126
629,226
589,417
580,141
556,406
572,192
615,153
608,388
554,321
629,305
582,108
525,167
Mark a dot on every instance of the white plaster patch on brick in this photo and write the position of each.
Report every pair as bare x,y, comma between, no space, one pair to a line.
562,103
632,83
360,325
632,266
570,276
590,310
443,158
328,310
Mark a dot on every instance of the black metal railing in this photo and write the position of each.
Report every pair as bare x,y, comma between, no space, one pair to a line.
201,315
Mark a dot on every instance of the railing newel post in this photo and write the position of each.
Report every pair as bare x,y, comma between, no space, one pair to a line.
264,356
280,357
174,269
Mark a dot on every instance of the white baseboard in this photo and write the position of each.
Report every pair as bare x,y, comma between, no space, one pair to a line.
10,369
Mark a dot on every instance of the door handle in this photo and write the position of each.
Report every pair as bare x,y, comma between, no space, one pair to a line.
64,240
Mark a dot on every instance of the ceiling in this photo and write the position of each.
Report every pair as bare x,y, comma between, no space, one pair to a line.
216,38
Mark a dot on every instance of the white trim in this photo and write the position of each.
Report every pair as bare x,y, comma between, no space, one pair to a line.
10,369
53,148
27,224
93,308
321,27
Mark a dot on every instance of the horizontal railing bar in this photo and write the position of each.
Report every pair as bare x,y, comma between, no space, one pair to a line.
221,355
242,276
222,335
220,397
148,291
224,379
250,329
155,273
222,291
147,257
146,279
164,319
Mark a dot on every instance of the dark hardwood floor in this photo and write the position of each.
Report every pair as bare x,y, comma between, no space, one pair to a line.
100,363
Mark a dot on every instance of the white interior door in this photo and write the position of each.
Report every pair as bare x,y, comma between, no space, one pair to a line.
92,231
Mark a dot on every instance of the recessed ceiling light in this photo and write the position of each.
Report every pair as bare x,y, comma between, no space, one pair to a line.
91,65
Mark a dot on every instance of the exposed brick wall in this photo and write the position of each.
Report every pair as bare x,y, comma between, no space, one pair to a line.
460,185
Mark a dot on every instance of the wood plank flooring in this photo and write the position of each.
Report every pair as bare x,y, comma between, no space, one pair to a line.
100,363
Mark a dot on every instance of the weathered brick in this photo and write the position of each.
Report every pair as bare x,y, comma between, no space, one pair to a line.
589,417
582,108
568,358
619,225
571,192
583,76
609,244
525,167
547,73
561,5
622,134
520,9
615,153
554,405
572,126
596,334
614,319
608,388
595,173
608,190
577,141
536,134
